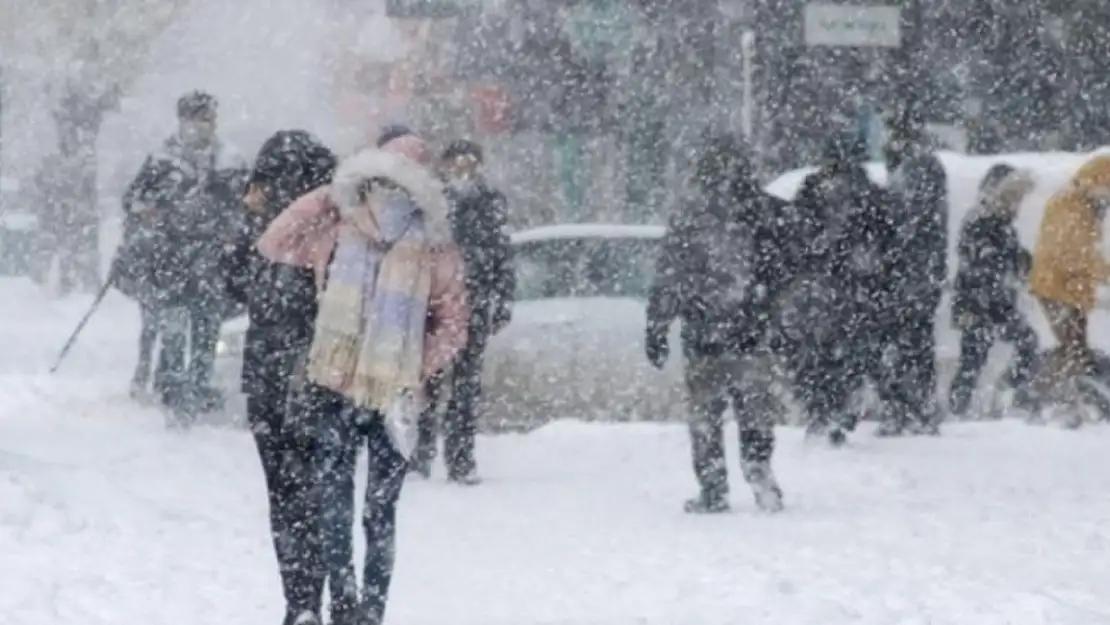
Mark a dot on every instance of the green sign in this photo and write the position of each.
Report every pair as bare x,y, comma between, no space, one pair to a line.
432,9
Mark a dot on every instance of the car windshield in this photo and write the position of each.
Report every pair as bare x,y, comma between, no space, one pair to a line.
585,267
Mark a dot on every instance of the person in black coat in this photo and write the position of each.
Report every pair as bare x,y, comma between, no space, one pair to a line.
725,259
186,192
281,307
918,187
992,263
836,320
478,222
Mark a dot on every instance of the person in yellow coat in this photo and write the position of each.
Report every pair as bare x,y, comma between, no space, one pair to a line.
1067,268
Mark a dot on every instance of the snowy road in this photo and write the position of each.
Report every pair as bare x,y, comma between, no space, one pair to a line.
108,519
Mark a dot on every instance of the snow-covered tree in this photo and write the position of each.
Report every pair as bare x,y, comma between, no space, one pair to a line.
83,55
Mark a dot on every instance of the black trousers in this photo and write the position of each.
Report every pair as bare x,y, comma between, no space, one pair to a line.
343,432
911,395
204,333
148,341
187,356
825,376
712,382
463,380
975,344
170,374
287,461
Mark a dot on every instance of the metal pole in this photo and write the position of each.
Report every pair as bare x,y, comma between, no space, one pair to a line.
747,109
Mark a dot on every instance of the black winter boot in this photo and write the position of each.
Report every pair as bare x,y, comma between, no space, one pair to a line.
768,495
707,503
756,448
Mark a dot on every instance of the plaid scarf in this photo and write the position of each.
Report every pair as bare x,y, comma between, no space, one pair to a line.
369,338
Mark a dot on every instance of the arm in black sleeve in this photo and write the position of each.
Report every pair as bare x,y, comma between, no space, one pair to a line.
1024,262
806,211
775,270
152,185
236,266
502,257
665,297
964,251
928,193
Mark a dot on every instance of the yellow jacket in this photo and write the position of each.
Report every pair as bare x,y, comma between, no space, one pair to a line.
1067,265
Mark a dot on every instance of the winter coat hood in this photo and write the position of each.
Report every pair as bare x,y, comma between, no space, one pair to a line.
725,168
394,164
1005,191
1067,265
290,164
1094,173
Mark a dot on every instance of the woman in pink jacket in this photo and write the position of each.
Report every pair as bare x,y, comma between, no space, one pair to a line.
392,311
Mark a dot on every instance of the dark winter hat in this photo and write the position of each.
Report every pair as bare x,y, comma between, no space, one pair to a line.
463,147
845,148
725,158
389,133
196,104
996,174
290,164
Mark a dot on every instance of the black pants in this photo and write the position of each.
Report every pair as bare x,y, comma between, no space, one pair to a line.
187,356
148,342
204,333
287,465
345,432
170,374
825,376
975,344
712,381
911,395
460,421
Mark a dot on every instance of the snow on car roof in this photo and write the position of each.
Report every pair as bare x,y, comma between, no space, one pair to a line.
589,231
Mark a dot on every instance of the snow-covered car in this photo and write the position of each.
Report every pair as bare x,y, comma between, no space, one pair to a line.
575,346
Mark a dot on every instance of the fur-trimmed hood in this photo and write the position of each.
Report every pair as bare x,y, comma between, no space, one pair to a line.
424,188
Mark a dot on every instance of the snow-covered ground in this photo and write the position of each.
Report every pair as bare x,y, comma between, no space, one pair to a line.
106,518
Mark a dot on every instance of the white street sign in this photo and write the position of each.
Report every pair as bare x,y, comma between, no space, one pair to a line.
853,25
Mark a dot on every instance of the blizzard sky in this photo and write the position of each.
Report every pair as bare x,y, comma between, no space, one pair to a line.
271,63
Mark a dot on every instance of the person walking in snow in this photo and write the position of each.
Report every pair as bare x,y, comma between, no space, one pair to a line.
392,312
723,263
992,263
182,190
281,307
1067,269
478,217
835,321
918,186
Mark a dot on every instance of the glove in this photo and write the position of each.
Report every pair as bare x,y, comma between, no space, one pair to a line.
501,319
657,348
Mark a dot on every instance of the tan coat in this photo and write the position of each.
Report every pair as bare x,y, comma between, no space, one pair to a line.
1067,264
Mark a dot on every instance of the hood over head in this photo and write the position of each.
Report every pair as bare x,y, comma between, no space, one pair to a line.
290,164
359,172
725,165
1004,187
1093,174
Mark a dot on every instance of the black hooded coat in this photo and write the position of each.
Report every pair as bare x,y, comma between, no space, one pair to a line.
280,299
725,258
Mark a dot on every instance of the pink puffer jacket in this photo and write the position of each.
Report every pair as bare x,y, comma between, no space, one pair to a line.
305,235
